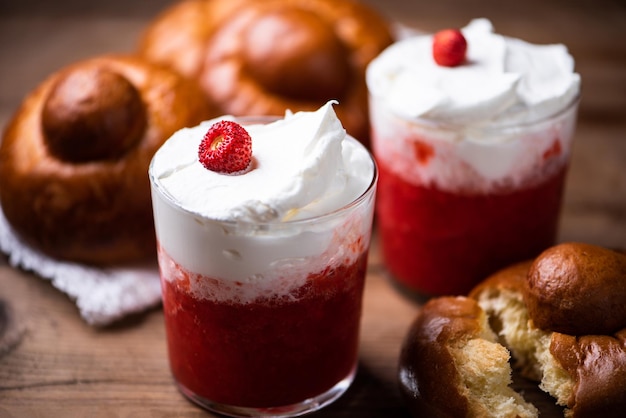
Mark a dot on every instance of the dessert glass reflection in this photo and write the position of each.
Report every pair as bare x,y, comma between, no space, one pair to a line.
472,159
263,272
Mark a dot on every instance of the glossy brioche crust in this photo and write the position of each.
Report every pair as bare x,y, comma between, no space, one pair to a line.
597,363
596,360
451,365
75,155
262,57
592,364
428,376
576,288
578,291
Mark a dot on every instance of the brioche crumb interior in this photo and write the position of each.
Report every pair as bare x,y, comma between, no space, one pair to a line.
529,346
486,377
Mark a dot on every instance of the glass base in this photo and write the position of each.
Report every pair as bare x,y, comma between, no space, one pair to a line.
297,409
405,290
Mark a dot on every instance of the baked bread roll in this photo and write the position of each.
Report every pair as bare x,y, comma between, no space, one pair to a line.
262,57
75,155
584,372
451,365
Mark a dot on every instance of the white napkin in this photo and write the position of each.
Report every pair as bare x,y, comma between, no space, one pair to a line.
103,295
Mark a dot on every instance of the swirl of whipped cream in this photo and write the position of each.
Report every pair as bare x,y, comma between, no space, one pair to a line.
261,228
303,165
503,80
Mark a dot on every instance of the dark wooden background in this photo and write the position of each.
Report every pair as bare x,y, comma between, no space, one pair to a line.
53,364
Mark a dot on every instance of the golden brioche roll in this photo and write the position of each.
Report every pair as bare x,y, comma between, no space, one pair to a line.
74,157
585,373
262,57
451,365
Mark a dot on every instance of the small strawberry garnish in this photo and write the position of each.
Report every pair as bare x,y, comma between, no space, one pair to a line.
226,148
449,47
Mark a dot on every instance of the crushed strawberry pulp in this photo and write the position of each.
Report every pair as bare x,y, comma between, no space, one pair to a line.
436,242
269,352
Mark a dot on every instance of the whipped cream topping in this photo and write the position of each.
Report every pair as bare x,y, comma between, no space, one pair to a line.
301,168
243,236
502,81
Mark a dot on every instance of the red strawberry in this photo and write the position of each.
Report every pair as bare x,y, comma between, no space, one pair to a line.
226,148
449,47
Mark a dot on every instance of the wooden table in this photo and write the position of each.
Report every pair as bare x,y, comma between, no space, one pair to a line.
53,364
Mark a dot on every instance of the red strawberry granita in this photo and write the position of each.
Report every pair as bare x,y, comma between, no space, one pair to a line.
472,132
262,269
270,351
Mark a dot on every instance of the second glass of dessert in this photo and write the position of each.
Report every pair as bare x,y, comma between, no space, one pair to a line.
472,133
263,230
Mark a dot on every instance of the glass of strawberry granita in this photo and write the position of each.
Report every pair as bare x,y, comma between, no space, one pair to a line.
263,270
472,157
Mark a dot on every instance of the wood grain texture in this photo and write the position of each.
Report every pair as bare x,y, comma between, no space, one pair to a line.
53,364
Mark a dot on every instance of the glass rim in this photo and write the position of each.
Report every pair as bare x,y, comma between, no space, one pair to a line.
169,199
489,127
